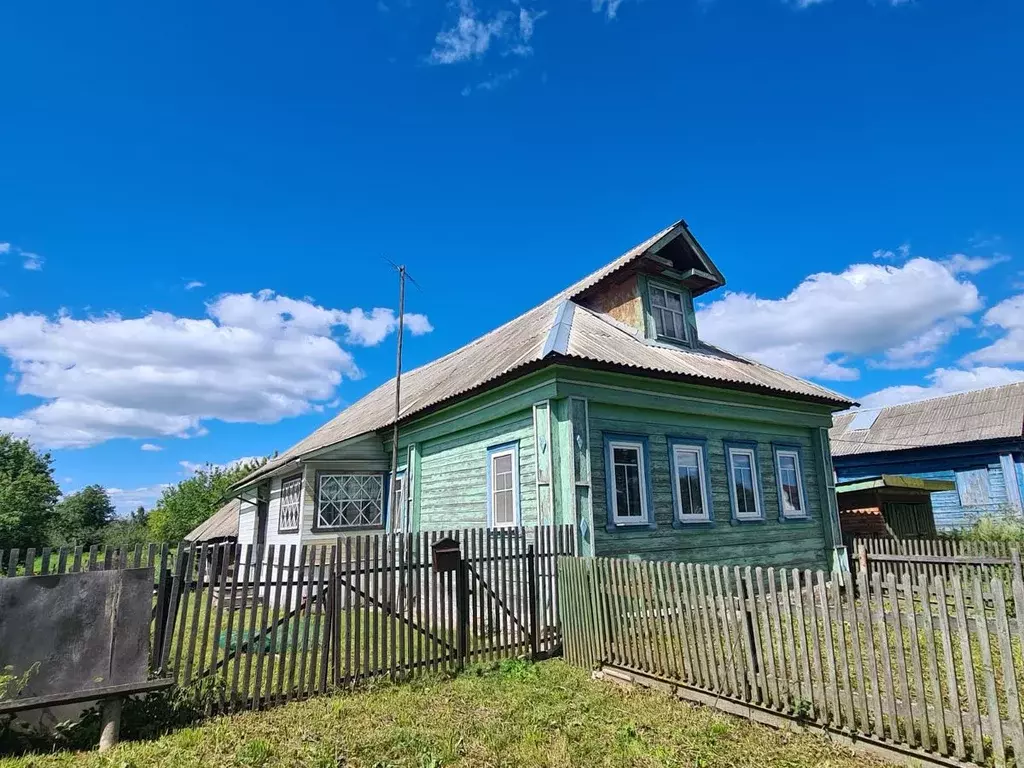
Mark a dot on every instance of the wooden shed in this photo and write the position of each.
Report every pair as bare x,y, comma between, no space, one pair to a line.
888,506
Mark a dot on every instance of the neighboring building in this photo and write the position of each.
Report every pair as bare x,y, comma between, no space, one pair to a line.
975,439
600,408
888,507
221,527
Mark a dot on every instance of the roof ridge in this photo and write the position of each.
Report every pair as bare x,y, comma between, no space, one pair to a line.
558,335
939,397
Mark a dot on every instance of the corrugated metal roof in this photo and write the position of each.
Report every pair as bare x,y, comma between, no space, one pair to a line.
522,341
984,414
223,524
594,337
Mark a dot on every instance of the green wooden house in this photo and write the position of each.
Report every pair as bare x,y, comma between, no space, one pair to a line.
601,408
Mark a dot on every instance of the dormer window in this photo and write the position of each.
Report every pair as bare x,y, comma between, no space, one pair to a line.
669,315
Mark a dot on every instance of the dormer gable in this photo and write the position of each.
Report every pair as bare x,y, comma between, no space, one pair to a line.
652,288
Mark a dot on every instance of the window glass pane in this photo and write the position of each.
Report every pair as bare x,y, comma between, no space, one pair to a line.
351,501
627,456
657,297
633,487
628,501
673,301
691,494
743,484
680,327
503,462
789,476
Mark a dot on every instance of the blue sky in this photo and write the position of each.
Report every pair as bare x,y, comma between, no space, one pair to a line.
501,150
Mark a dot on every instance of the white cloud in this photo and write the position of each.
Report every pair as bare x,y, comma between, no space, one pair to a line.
943,381
866,310
257,358
491,83
193,284
30,261
1007,315
902,253
919,352
470,37
959,263
127,500
150,447
609,8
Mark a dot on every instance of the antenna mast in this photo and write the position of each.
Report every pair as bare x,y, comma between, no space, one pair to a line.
393,506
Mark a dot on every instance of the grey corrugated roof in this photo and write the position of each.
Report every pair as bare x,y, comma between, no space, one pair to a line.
984,414
524,341
597,338
223,524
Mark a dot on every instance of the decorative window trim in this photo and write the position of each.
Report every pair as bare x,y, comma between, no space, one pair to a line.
650,284
700,444
750,449
318,528
505,449
647,522
796,451
281,528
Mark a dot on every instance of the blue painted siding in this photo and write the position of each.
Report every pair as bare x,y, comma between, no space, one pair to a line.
949,463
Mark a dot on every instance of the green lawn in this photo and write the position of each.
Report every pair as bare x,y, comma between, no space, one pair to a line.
547,714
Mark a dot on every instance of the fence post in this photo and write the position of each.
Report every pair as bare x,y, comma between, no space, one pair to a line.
531,585
462,611
862,556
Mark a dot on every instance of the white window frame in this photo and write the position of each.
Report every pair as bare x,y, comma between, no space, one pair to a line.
321,525
705,517
795,455
628,520
395,523
733,496
281,528
651,288
512,451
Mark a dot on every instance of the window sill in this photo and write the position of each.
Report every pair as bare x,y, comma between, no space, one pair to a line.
692,525
623,527
283,531
795,519
748,521
349,529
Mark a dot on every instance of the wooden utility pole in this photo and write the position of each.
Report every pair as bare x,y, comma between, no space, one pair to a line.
393,507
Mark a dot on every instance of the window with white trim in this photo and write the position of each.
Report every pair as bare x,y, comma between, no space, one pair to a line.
746,501
669,315
791,483
350,501
291,504
691,484
629,483
397,492
504,502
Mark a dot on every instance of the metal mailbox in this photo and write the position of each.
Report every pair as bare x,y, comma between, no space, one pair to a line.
447,555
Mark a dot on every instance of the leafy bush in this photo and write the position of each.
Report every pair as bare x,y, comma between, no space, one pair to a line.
1002,525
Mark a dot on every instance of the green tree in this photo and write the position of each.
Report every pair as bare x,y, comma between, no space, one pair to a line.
184,506
27,494
80,517
126,532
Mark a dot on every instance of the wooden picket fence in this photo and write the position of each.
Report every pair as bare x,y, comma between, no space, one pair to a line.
914,665
939,557
301,621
